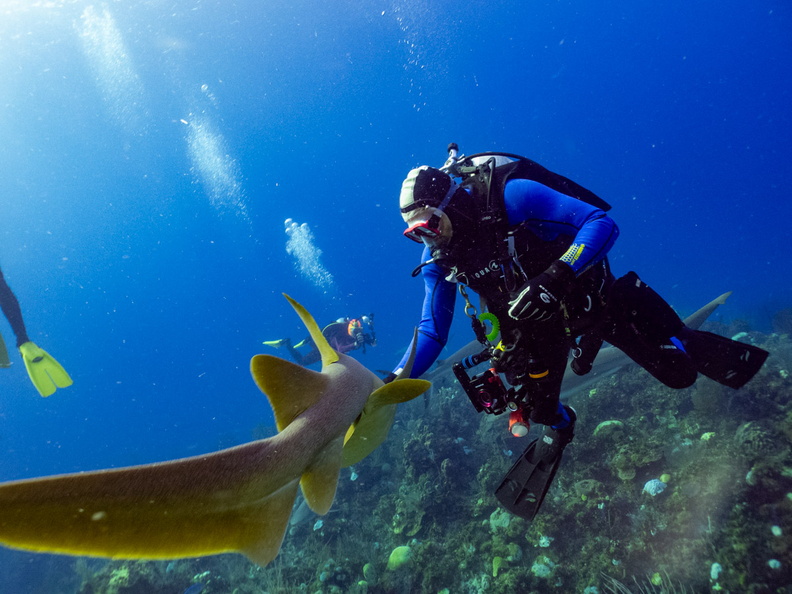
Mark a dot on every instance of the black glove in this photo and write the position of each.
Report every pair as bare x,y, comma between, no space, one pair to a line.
540,298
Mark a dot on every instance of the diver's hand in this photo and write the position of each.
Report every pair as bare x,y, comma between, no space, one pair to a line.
540,298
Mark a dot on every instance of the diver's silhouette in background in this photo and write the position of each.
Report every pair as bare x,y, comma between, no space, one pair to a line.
344,335
45,372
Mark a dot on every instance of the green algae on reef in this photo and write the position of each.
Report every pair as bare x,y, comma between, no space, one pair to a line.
727,456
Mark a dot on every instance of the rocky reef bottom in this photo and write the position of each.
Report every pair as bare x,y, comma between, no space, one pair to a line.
661,491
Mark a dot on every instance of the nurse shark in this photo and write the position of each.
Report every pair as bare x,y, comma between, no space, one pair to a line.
235,500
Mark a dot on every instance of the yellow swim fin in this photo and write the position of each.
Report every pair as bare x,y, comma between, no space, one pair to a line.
4,360
44,371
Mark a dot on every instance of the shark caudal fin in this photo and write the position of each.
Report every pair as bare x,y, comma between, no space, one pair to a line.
407,369
328,354
696,319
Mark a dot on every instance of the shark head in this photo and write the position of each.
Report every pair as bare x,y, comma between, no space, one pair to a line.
235,500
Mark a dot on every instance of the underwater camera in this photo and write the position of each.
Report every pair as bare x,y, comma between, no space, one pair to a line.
485,390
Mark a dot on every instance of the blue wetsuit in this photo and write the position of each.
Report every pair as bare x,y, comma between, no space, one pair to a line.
586,231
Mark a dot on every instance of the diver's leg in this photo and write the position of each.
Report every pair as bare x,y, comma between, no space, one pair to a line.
524,487
666,362
313,356
547,349
293,352
645,328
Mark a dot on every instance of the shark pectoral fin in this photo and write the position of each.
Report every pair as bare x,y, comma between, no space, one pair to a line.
328,354
367,434
291,389
372,427
401,390
389,394
320,480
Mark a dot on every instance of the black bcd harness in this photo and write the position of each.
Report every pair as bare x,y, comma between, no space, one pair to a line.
486,179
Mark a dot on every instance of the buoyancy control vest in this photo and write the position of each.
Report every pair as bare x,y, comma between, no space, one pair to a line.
491,258
492,170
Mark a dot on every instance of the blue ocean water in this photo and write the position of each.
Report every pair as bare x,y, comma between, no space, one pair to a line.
151,151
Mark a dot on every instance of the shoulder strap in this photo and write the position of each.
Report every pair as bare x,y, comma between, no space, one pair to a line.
524,168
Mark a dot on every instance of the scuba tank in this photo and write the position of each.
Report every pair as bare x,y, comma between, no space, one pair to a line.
485,176
481,169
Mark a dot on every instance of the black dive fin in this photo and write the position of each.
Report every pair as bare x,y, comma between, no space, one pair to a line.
726,361
525,485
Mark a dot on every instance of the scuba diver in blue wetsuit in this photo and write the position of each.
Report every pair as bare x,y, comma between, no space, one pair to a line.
533,245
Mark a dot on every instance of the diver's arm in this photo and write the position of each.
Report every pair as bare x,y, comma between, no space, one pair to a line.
549,214
12,311
436,317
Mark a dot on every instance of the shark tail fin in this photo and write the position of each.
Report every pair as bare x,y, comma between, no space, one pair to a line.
328,354
696,319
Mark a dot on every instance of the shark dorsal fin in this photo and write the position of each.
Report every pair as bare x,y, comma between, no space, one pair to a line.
328,354
407,369
291,389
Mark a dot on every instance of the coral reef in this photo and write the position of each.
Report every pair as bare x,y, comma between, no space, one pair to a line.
661,491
